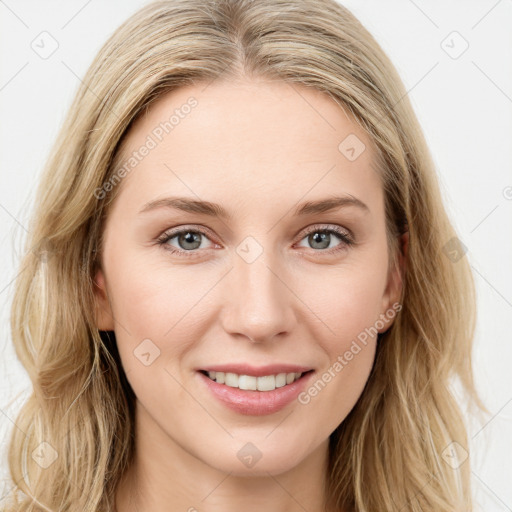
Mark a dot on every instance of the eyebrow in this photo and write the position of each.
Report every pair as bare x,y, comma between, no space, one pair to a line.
187,204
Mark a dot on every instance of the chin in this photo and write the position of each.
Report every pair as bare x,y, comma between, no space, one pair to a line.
272,466
248,460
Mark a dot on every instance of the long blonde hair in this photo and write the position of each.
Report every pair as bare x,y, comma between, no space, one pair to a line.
390,451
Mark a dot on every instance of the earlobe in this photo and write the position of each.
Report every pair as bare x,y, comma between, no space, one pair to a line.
103,311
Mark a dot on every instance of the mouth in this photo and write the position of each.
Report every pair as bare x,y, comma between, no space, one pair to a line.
255,395
255,383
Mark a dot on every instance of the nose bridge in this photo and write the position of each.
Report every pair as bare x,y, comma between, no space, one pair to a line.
261,305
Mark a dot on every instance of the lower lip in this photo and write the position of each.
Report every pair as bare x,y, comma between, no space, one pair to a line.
256,403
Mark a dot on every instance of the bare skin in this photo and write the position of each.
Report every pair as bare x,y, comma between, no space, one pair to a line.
259,149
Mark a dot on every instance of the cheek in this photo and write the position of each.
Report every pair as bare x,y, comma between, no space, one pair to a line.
348,306
337,388
170,305
347,299
156,310
152,295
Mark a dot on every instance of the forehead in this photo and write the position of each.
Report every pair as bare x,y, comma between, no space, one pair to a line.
251,140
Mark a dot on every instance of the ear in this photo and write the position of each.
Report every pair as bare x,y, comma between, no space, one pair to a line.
103,310
394,285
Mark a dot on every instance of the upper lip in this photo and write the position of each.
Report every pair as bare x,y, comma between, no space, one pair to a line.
256,371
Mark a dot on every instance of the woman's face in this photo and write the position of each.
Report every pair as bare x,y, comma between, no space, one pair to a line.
272,281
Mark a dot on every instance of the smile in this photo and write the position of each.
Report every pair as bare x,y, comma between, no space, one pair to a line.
253,383
254,395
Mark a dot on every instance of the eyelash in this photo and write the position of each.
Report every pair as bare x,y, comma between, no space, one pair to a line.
345,238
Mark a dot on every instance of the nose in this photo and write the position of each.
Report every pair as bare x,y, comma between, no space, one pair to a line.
259,303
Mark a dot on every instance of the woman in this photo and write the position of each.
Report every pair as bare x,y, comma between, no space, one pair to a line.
240,288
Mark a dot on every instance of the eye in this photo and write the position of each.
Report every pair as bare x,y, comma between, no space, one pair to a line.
321,238
188,240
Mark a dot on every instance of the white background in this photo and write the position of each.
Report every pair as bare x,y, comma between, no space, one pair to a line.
464,105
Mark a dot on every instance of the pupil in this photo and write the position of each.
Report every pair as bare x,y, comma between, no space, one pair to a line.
321,238
191,238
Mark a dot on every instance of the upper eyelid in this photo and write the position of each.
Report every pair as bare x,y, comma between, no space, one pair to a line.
171,233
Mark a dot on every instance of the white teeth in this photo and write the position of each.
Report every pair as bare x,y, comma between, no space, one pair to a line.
231,380
281,380
250,382
266,383
247,382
